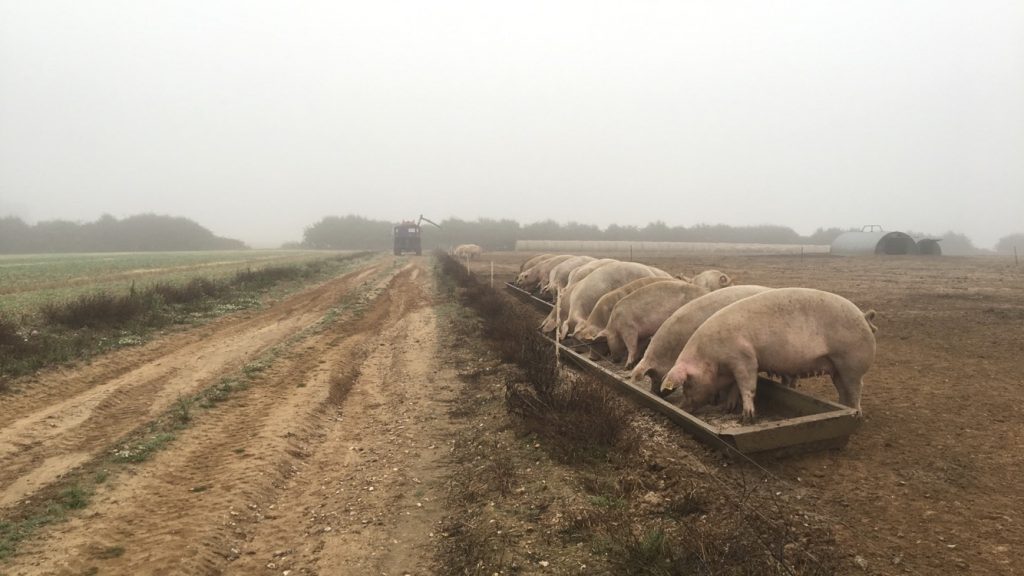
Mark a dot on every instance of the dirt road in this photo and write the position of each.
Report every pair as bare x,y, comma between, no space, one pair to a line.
329,462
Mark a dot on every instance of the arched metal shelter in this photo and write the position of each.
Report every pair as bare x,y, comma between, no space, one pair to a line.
866,243
929,247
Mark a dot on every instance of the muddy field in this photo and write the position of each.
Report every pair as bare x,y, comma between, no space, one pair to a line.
323,432
930,482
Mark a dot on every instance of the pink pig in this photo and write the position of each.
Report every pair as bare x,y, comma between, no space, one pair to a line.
790,332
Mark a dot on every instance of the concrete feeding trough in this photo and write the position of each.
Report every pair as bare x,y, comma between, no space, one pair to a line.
788,421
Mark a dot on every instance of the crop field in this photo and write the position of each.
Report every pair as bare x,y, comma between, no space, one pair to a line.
380,420
27,281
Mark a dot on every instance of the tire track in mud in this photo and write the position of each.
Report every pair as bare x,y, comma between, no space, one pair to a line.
227,490
65,416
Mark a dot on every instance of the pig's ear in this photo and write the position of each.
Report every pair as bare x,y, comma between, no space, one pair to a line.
675,378
723,280
682,370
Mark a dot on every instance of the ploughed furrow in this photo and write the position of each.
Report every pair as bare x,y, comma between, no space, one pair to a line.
188,509
83,411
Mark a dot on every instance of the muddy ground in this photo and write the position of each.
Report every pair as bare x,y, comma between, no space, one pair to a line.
370,411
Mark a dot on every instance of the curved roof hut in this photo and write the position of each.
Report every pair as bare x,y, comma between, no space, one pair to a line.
874,242
929,247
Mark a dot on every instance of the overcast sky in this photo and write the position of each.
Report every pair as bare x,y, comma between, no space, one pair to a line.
257,118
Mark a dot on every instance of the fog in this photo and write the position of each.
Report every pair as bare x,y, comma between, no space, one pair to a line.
257,118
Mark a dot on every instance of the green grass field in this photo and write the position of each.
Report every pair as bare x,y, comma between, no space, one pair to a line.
29,281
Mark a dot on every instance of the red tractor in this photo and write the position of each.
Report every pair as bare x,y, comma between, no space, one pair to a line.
407,236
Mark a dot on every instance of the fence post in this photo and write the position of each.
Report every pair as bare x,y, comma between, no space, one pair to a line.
492,273
558,330
1015,260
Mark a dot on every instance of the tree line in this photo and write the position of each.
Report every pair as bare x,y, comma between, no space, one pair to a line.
354,232
151,232
140,233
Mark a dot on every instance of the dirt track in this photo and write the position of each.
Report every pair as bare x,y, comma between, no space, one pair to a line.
327,463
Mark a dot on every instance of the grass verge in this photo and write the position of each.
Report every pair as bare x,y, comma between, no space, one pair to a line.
93,323
584,415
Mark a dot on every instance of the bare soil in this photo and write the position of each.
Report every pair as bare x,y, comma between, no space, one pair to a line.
930,483
328,463
342,454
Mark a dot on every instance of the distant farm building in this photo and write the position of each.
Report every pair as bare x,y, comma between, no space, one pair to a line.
878,241
929,247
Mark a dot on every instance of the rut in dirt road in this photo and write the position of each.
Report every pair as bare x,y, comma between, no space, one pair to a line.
67,417
366,498
319,465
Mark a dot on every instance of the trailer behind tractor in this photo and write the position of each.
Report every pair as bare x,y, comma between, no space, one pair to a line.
408,236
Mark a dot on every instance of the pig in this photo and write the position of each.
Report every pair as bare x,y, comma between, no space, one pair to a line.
639,315
534,276
529,273
711,280
561,308
794,332
668,341
551,322
585,270
469,251
533,261
603,280
559,275
598,318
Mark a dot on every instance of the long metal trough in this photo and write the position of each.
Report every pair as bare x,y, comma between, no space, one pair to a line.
800,422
